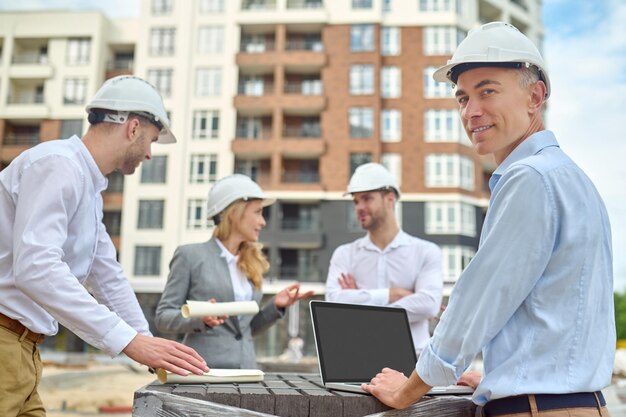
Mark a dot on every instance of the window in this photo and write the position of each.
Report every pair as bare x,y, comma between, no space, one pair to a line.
203,168
71,127
210,39
153,171
211,6
449,217
248,167
78,51
160,7
386,5
390,125
147,260
208,82
357,159
361,121
250,128
455,259
150,214
362,38
390,40
162,80
361,79
196,214
449,170
442,40
390,84
444,126
162,41
74,90
393,163
252,85
206,124
435,89
437,5
361,4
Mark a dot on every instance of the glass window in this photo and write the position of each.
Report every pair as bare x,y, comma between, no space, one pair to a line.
361,4
196,214
206,124
74,91
390,125
357,159
361,79
153,171
442,40
361,121
150,214
71,127
210,39
162,80
449,170
449,217
208,82
203,168
436,89
160,7
78,51
211,6
162,41
390,82
455,259
437,5
362,38
147,260
390,40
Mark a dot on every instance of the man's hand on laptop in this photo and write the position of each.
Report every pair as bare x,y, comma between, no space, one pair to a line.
396,390
470,379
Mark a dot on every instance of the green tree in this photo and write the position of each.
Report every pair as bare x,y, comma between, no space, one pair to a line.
620,314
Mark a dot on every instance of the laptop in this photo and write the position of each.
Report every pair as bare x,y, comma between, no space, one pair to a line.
354,342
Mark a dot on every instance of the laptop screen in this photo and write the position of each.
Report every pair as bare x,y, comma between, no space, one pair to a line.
354,342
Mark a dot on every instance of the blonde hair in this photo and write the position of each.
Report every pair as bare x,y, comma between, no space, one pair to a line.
252,261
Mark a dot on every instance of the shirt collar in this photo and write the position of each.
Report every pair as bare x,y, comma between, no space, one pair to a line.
530,146
225,252
99,180
401,239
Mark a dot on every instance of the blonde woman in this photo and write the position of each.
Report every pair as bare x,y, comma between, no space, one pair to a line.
229,267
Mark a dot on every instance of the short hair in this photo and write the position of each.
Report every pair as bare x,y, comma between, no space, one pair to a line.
528,75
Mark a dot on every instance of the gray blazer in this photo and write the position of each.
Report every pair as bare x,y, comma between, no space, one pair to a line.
198,272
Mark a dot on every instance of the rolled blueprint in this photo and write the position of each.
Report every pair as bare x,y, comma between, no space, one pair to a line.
213,376
204,308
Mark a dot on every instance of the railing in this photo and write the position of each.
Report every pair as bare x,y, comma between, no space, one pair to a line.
260,89
26,98
299,224
257,47
305,177
304,45
29,139
30,58
300,273
312,132
305,4
120,64
249,134
258,5
306,88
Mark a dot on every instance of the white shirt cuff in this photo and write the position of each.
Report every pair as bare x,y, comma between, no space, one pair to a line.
380,296
118,338
433,370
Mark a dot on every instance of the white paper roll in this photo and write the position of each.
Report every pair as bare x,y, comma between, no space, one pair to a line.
213,376
204,308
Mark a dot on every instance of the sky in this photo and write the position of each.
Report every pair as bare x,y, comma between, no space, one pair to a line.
585,52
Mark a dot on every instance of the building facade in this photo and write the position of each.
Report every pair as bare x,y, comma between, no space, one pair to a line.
294,93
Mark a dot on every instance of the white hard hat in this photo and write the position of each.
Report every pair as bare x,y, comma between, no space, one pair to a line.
127,93
493,44
232,188
370,177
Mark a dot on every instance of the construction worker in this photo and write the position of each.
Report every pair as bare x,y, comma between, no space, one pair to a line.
386,267
228,267
53,244
537,298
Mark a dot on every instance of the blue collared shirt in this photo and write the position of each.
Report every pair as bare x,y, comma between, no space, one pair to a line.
537,298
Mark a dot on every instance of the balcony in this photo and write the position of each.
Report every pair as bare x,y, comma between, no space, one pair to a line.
305,4
300,273
304,43
301,177
258,5
304,131
22,139
304,87
255,89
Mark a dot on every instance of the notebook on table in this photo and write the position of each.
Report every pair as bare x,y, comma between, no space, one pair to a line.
354,342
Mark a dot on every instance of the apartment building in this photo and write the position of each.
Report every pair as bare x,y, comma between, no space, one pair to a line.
294,93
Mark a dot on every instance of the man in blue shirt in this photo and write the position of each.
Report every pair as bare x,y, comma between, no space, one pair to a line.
537,299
